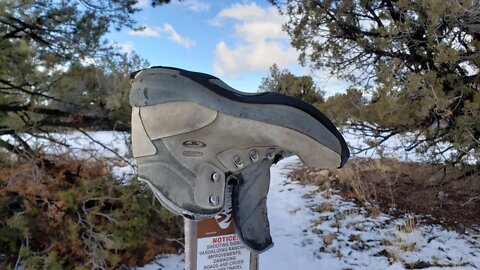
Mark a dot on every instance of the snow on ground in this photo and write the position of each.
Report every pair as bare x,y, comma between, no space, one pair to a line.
343,237
108,145
165,262
105,144
395,146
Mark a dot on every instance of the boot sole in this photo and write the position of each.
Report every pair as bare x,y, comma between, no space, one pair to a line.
172,84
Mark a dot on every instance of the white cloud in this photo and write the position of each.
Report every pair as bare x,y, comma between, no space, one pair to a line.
126,47
146,32
246,12
261,40
169,31
196,5
251,57
257,30
142,3
177,38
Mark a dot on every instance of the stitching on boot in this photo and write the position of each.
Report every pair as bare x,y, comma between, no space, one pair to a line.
169,204
174,155
168,167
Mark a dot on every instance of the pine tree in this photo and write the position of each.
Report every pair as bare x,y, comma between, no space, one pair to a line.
287,83
45,80
420,59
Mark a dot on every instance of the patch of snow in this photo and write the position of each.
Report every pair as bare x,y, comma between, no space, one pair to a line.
395,147
165,262
94,144
113,147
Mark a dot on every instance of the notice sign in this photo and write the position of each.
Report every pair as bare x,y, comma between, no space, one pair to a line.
218,247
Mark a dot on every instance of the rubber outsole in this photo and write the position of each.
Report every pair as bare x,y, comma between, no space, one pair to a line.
269,98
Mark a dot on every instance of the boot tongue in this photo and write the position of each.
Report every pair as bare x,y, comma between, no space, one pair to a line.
250,206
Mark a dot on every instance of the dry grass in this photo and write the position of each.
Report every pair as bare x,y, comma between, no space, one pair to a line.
324,207
364,190
410,224
354,238
59,205
374,211
450,195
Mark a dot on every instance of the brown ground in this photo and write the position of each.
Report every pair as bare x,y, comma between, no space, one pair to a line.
451,196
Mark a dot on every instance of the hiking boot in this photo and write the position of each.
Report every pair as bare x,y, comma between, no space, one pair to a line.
192,135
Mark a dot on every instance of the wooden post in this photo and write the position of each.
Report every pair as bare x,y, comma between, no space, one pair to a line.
212,244
190,244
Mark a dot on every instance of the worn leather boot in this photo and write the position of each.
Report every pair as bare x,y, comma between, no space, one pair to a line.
192,135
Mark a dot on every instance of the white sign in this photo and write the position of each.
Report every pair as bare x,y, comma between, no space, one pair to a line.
224,252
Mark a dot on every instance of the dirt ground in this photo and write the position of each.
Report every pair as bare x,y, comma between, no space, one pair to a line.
444,195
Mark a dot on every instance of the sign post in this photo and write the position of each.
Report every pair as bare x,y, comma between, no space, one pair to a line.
213,244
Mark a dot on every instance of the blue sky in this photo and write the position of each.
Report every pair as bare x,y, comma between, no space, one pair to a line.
236,41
